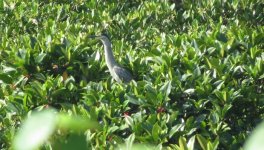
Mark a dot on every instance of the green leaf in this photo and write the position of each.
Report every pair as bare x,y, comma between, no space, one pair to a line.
155,131
189,91
208,62
74,141
182,143
35,130
215,144
76,123
8,69
59,92
190,143
6,78
40,57
172,6
129,121
255,140
166,88
175,129
202,141
130,141
139,147
112,129
132,99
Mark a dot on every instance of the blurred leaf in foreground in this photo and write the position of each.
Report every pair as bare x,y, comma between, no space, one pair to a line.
35,130
40,125
255,140
138,147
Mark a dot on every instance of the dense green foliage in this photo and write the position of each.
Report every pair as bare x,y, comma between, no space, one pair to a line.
198,68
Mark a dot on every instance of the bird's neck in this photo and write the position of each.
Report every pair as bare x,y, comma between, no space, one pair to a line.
109,57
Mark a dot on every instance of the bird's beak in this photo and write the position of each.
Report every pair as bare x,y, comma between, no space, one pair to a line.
94,37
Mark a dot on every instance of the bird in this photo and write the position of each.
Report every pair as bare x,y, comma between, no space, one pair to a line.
120,74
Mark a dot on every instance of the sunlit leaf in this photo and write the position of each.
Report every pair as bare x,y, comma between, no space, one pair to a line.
202,141
35,130
40,57
255,140
166,88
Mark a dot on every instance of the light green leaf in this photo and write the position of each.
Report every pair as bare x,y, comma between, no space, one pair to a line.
166,88
40,57
190,143
155,131
182,143
7,69
255,140
133,99
129,141
175,129
129,121
202,141
35,130
189,91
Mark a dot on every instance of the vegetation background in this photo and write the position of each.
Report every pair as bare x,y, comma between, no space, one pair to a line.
197,65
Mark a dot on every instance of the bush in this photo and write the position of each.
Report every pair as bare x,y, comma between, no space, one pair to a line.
197,66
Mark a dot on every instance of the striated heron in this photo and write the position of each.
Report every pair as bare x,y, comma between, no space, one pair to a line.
117,72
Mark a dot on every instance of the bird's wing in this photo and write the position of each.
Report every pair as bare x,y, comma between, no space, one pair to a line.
122,74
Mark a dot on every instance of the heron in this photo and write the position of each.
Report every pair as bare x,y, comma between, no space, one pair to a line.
117,72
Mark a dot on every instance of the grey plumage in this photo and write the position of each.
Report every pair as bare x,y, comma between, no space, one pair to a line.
117,72
121,74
